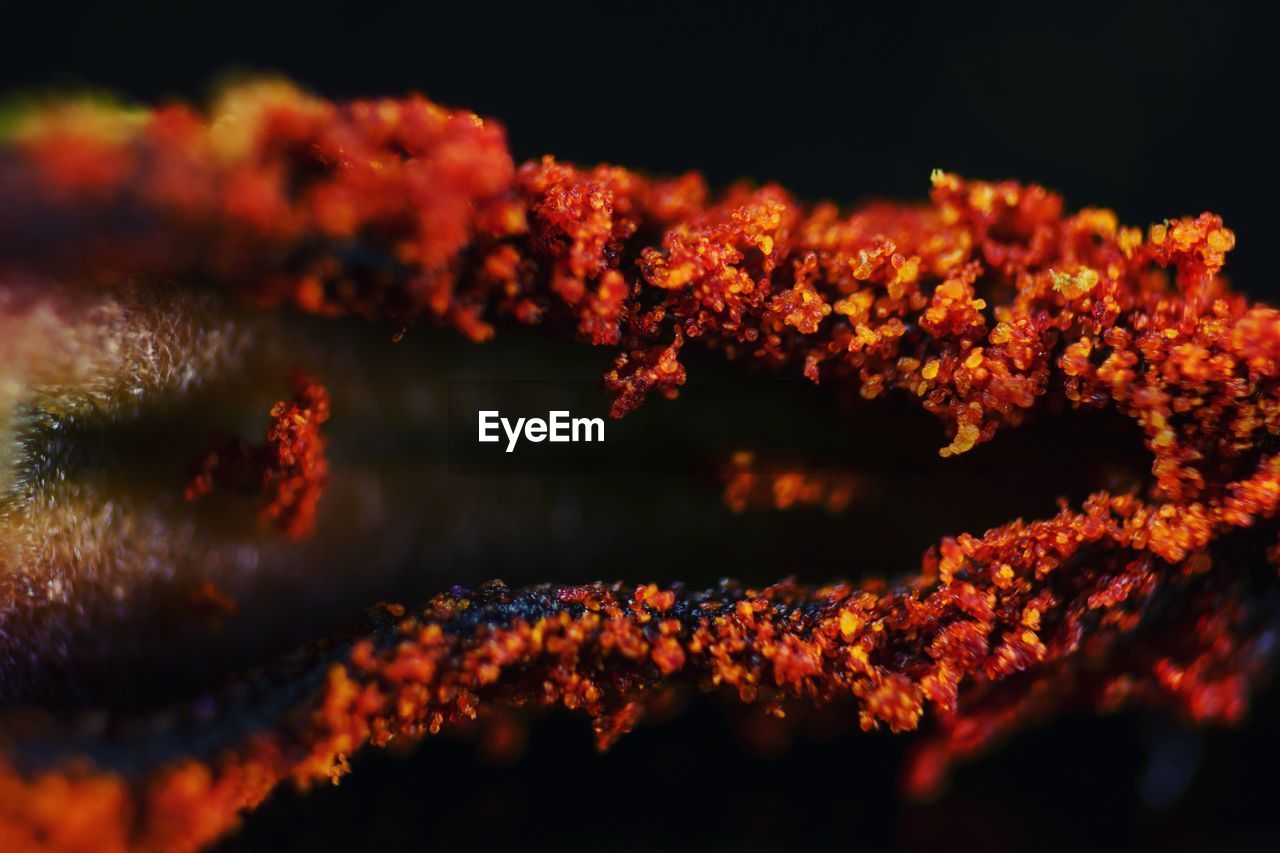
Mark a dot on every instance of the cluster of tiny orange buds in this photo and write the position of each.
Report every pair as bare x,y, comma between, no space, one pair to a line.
289,471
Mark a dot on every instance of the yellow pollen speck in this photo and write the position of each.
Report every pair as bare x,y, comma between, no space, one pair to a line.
974,359
982,197
1075,286
850,624
931,369
1128,240
967,436
910,270
1220,240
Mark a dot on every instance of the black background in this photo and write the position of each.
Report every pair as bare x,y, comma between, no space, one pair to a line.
1152,110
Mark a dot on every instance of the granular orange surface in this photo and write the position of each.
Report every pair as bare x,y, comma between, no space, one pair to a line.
980,304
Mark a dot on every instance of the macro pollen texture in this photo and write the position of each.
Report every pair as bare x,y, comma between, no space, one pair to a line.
987,304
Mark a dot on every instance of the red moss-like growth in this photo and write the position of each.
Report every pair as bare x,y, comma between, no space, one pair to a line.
983,654
979,304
